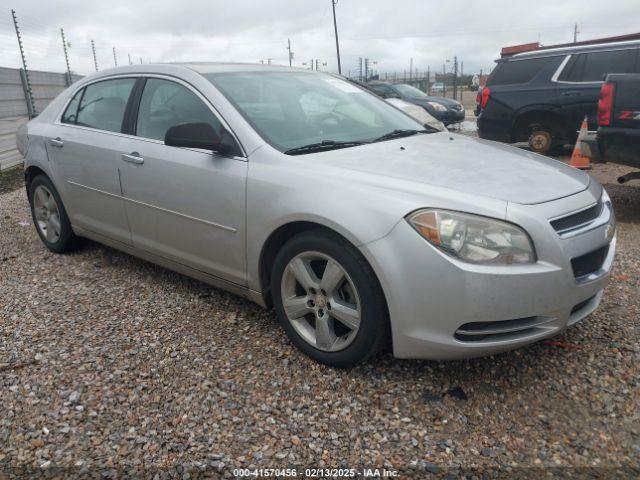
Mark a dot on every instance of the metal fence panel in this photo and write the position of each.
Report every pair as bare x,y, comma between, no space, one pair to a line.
13,106
45,87
12,102
9,155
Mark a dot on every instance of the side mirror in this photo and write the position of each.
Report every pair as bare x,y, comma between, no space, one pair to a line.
197,135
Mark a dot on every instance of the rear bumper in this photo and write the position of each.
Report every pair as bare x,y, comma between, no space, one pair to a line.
435,300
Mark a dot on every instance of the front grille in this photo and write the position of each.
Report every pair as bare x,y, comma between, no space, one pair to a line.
576,220
589,262
457,107
501,330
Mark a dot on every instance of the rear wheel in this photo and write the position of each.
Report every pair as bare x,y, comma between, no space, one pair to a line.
540,140
50,216
328,299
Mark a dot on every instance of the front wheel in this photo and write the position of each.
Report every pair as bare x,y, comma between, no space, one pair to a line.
328,299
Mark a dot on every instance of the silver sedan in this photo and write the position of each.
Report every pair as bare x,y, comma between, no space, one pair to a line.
361,227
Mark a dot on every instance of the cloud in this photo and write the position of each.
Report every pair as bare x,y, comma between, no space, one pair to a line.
390,33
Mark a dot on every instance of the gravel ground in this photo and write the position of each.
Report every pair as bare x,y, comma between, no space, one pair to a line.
111,366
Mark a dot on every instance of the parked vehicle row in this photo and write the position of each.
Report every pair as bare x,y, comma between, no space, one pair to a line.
411,109
446,110
541,97
305,192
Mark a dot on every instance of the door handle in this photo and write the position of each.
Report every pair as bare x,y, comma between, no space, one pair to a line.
56,142
133,157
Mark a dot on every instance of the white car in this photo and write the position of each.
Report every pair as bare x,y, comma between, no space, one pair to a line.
418,113
437,87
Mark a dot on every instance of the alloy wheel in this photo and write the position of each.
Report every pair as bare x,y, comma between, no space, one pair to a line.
321,301
47,214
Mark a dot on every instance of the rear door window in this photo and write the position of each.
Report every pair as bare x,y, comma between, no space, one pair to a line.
517,71
598,64
103,104
594,66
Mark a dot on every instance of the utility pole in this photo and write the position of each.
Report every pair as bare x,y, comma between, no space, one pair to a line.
455,77
290,52
335,27
66,56
26,83
95,60
115,59
129,55
575,32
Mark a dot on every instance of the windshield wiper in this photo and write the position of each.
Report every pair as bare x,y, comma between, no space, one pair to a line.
322,146
399,134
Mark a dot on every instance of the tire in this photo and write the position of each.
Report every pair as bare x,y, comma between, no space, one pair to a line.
50,217
326,328
541,140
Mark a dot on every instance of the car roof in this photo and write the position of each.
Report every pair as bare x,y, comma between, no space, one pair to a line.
219,67
199,67
596,47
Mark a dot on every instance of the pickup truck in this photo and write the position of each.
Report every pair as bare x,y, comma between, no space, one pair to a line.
619,122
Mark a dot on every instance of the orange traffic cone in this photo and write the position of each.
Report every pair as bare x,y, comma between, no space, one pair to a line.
578,159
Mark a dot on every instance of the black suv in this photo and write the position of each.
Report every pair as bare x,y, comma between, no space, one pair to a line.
542,97
446,110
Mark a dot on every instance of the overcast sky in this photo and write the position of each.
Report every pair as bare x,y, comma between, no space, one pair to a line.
390,32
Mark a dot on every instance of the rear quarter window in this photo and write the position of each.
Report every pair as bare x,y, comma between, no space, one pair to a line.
518,71
70,114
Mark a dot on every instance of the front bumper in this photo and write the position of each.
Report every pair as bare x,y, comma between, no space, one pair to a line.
449,116
433,297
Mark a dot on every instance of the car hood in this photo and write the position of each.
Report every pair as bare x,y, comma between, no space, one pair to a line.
460,163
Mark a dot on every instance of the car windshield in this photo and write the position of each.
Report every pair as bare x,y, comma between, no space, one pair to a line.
409,91
297,109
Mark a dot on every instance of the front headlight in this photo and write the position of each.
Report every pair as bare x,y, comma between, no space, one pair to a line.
437,107
473,238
